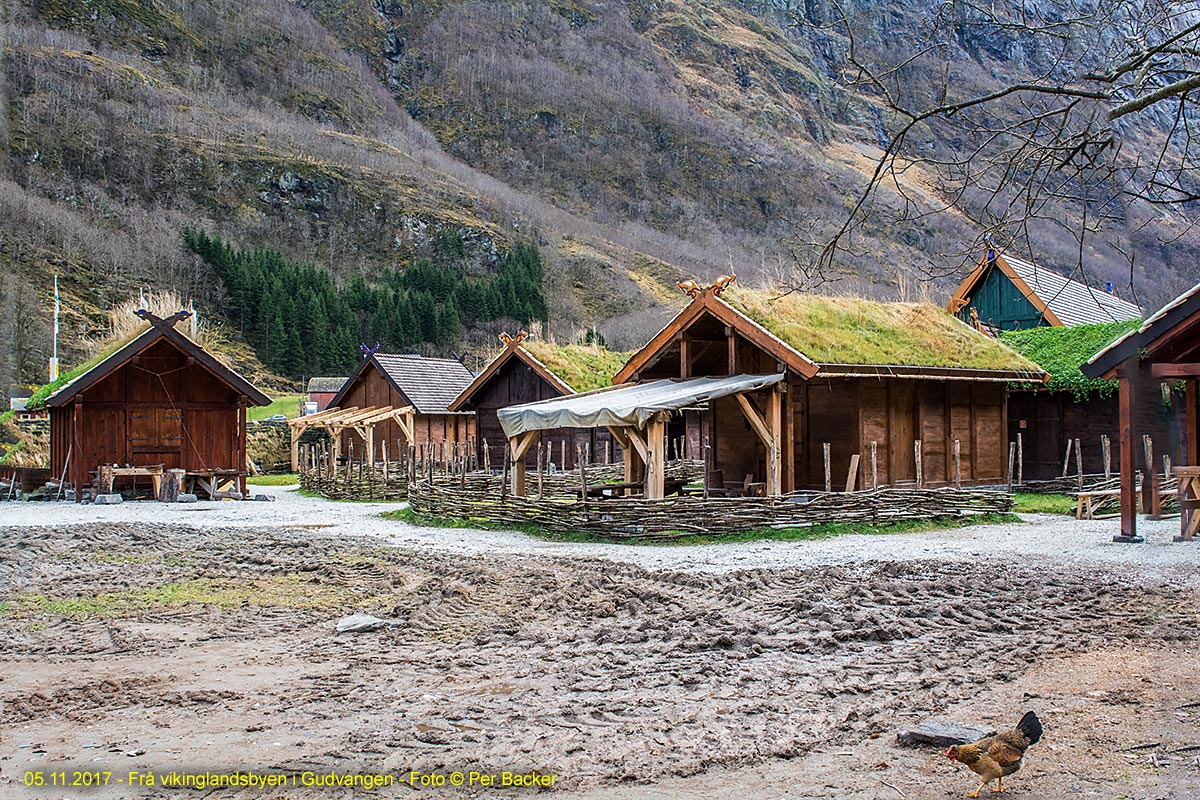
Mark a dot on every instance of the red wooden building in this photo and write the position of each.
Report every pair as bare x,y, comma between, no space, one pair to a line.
162,400
322,391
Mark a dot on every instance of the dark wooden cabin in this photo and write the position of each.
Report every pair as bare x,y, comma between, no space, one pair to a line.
1166,347
1006,293
1071,407
161,399
426,385
859,373
521,373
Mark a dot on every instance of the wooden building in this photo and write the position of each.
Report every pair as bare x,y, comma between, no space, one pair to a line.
422,388
162,400
1166,347
867,379
1006,293
526,371
321,391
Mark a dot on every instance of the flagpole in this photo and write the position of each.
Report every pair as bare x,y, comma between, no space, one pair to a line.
53,368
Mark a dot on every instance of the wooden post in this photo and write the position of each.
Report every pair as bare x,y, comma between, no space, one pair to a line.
1067,459
607,452
828,472
562,449
1128,490
487,457
241,478
383,444
1012,457
656,443
1150,487
1079,463
369,443
731,340
1166,467
504,476
1106,448
852,475
874,465
1020,460
168,487
518,447
917,462
582,473
707,465
958,466
295,432
540,456
774,445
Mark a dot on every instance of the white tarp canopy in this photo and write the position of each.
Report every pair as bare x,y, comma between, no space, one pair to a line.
630,405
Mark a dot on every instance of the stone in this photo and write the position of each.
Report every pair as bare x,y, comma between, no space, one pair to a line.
264,498
184,497
942,733
108,499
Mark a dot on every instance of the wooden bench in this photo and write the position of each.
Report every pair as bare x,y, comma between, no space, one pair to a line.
1088,503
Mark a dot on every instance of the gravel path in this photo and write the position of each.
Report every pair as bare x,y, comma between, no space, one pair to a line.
1043,538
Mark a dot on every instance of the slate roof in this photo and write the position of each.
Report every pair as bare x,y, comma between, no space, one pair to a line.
1072,301
430,384
325,384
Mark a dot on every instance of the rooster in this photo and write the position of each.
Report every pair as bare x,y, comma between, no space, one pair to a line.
994,757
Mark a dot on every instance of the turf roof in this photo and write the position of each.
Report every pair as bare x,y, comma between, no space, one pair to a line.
852,330
1061,351
583,367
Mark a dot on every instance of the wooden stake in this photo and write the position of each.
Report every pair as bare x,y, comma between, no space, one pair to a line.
874,465
1067,459
919,465
958,465
579,451
487,458
1166,467
1012,456
540,456
852,476
828,473
707,465
1106,448
1079,463
383,444
1020,460
607,451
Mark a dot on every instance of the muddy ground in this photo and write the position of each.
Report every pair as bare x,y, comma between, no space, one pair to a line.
135,647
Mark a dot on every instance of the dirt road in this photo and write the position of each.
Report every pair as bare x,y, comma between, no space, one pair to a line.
135,647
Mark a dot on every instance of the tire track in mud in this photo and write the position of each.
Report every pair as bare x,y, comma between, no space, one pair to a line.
601,671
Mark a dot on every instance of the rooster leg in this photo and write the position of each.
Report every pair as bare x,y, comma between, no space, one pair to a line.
980,789
999,785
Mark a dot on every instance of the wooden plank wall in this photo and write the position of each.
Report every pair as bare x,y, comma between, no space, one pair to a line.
159,410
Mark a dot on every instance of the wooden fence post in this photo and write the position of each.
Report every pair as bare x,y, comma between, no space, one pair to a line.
958,466
1020,460
1079,463
1106,448
707,465
874,465
540,456
1067,459
1012,456
917,461
828,473
852,476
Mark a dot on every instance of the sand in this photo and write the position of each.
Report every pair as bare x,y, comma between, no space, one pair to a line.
150,638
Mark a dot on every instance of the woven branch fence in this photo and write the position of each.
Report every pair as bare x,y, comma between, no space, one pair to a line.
677,517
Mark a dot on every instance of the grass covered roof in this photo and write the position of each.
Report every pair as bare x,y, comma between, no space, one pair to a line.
1061,351
853,330
583,367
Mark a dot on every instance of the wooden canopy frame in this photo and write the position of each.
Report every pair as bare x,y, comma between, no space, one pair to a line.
645,453
360,420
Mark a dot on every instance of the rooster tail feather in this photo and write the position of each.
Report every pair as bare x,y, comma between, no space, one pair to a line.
1031,726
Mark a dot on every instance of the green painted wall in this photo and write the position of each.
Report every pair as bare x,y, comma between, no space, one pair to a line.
1001,303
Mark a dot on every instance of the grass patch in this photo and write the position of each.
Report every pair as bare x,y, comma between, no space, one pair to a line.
286,404
275,591
1029,503
849,330
582,366
823,531
286,479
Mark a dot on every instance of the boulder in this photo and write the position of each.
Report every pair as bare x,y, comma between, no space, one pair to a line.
108,499
184,497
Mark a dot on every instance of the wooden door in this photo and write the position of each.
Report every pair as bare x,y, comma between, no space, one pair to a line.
155,435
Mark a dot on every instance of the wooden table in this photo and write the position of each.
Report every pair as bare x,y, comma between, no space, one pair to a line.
1189,502
108,474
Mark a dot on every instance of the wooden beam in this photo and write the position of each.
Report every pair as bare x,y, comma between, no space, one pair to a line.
774,446
656,457
789,440
1128,489
757,423
242,470
685,355
731,345
1174,370
1191,408
518,447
